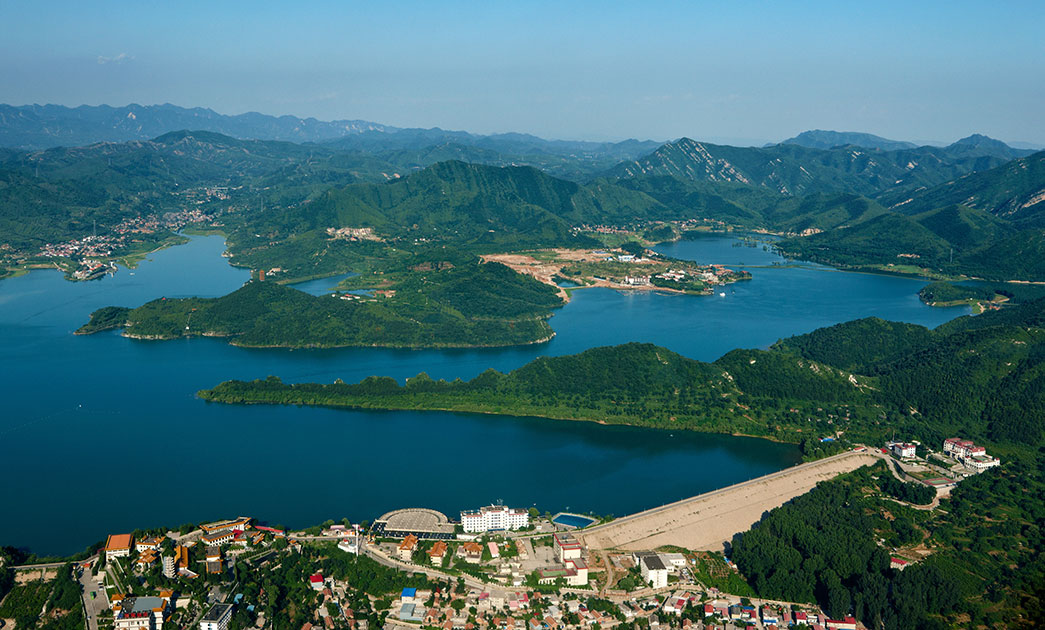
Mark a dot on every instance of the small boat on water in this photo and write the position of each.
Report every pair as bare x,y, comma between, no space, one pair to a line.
722,294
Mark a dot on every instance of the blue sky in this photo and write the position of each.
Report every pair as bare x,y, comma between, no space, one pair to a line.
737,71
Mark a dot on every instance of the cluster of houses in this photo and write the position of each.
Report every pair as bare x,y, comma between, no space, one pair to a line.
969,454
214,536
768,616
101,246
711,275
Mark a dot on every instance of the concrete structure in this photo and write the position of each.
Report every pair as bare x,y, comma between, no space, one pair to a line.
493,518
903,450
168,566
969,454
849,623
141,613
419,522
146,559
237,524
709,520
411,612
407,547
217,618
438,552
215,566
147,544
653,570
219,537
470,552
349,545
567,547
118,546
673,561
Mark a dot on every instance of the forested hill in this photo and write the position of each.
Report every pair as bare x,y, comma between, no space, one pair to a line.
988,224
466,305
476,207
791,169
1014,191
982,377
65,193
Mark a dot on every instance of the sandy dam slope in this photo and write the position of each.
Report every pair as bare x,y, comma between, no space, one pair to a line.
707,521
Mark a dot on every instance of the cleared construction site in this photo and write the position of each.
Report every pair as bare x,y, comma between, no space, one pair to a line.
707,521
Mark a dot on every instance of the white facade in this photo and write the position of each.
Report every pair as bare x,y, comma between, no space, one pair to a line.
969,454
904,451
217,618
494,517
982,462
567,547
653,571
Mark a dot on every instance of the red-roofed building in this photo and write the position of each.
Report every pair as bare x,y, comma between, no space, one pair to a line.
316,580
118,546
849,623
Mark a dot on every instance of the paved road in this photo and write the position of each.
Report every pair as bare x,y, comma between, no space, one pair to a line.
374,554
45,565
93,607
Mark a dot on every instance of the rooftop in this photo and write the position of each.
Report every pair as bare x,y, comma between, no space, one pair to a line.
119,541
653,563
216,612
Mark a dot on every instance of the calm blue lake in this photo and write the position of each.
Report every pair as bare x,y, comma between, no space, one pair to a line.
103,434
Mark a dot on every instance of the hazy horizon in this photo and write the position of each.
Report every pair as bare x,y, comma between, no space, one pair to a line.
738,74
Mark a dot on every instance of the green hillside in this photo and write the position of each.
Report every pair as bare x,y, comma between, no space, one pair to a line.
982,377
1014,191
791,169
459,306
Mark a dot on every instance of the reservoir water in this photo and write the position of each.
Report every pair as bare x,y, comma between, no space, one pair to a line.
102,434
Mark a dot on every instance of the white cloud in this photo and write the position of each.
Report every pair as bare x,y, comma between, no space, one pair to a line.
120,58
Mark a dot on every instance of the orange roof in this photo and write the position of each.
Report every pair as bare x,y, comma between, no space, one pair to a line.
409,542
117,542
182,554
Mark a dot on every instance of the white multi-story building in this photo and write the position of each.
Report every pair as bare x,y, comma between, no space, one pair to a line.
217,618
903,450
494,517
566,547
969,454
653,570
141,613
118,546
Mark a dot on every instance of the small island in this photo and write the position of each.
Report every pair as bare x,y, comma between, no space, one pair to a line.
473,305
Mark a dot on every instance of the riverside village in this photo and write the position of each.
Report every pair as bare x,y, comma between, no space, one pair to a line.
492,568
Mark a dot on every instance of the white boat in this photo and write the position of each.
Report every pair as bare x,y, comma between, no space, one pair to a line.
722,294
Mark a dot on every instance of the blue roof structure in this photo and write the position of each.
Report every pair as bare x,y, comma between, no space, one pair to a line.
409,592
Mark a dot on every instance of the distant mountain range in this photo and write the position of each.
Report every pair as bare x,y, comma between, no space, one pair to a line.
968,207
820,139
976,144
793,169
46,126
